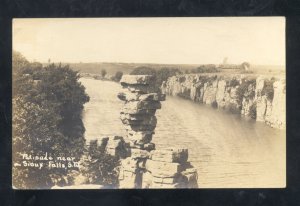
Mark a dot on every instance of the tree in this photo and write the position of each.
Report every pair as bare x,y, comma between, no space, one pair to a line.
118,76
46,118
18,62
245,66
160,74
103,73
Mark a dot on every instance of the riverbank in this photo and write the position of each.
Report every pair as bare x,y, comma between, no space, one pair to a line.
262,98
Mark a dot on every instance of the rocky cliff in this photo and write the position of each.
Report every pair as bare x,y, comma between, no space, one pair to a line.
259,97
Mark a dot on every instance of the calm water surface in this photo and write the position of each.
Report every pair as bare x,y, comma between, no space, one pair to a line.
228,151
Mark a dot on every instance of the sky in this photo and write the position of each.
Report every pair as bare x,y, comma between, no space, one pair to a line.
258,40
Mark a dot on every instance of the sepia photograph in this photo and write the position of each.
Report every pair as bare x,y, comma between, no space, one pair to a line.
149,103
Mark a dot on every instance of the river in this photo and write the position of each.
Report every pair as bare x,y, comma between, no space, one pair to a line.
228,151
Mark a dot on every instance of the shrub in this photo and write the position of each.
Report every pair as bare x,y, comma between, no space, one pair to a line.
233,83
182,79
103,73
268,89
100,167
242,90
118,76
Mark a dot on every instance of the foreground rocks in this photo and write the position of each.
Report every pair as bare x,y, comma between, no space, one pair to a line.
141,164
145,166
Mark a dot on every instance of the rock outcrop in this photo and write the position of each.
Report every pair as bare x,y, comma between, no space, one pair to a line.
262,98
145,166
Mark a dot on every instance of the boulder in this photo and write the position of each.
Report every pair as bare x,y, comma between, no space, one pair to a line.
147,180
148,120
163,169
152,97
129,164
130,96
167,180
138,105
173,154
140,127
190,177
127,179
140,89
134,144
116,146
134,116
140,137
99,142
149,146
139,154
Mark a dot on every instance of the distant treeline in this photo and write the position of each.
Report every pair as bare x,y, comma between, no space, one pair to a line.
112,69
103,76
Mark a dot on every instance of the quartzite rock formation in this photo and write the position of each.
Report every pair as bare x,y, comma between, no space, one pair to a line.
145,166
261,97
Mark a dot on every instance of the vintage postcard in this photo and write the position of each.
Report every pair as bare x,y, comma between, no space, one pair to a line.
149,103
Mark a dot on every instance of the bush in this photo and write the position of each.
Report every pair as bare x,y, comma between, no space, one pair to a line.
242,90
118,76
182,79
268,89
233,83
100,167
103,73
